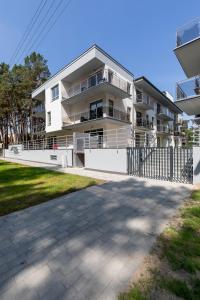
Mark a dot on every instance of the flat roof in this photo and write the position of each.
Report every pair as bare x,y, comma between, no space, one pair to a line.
159,92
95,46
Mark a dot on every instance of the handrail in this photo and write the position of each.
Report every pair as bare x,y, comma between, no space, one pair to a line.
98,78
101,112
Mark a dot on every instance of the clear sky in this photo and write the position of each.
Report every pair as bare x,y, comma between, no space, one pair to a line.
139,34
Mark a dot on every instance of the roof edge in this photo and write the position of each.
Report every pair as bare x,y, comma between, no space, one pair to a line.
159,91
94,46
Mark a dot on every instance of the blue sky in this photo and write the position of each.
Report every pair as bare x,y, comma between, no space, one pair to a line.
139,34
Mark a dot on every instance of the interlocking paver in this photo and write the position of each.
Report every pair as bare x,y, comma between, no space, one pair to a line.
84,245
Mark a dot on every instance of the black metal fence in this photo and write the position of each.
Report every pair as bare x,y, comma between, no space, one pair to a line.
164,163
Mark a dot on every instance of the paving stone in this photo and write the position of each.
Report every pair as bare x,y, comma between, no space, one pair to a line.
84,245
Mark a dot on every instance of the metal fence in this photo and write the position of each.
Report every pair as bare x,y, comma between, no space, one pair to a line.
48,143
172,164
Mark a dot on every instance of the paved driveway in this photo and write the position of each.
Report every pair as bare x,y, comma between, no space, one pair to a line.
85,245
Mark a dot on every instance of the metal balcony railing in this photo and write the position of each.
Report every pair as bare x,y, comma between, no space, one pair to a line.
143,99
142,122
99,113
49,143
97,79
165,112
188,32
188,88
40,108
164,129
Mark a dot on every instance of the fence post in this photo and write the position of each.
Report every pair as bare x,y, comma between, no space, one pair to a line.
116,139
140,162
171,159
53,144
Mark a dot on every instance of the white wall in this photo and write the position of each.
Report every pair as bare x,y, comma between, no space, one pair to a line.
111,160
55,108
42,156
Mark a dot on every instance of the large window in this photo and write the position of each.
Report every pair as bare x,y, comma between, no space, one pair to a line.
49,118
96,109
55,92
95,79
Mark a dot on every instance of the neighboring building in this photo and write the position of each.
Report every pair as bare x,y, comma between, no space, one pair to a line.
157,114
188,53
95,93
188,91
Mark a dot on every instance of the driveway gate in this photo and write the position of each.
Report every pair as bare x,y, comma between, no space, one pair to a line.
164,163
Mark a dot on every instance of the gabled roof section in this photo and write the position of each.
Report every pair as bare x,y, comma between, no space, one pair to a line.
96,47
165,100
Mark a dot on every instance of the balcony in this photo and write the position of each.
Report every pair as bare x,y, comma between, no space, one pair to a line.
188,95
144,124
39,109
197,120
143,102
101,81
164,114
164,129
187,47
100,113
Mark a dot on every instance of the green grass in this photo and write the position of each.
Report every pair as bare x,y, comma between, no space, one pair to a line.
178,250
22,186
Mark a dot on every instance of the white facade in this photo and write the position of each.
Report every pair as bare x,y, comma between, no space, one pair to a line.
95,92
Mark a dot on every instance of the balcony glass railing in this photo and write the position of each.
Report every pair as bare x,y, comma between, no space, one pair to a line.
188,88
99,113
97,79
188,32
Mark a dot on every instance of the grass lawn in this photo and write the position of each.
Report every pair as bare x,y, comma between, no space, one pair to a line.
22,186
172,270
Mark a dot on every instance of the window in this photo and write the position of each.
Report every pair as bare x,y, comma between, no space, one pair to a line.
96,109
92,81
138,96
95,79
110,108
49,118
55,92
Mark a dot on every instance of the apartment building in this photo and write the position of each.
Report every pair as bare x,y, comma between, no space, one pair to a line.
187,52
95,94
157,114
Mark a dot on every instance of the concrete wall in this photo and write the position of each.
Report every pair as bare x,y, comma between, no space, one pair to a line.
63,157
196,165
110,160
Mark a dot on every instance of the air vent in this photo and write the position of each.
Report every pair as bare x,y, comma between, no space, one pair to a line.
53,157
